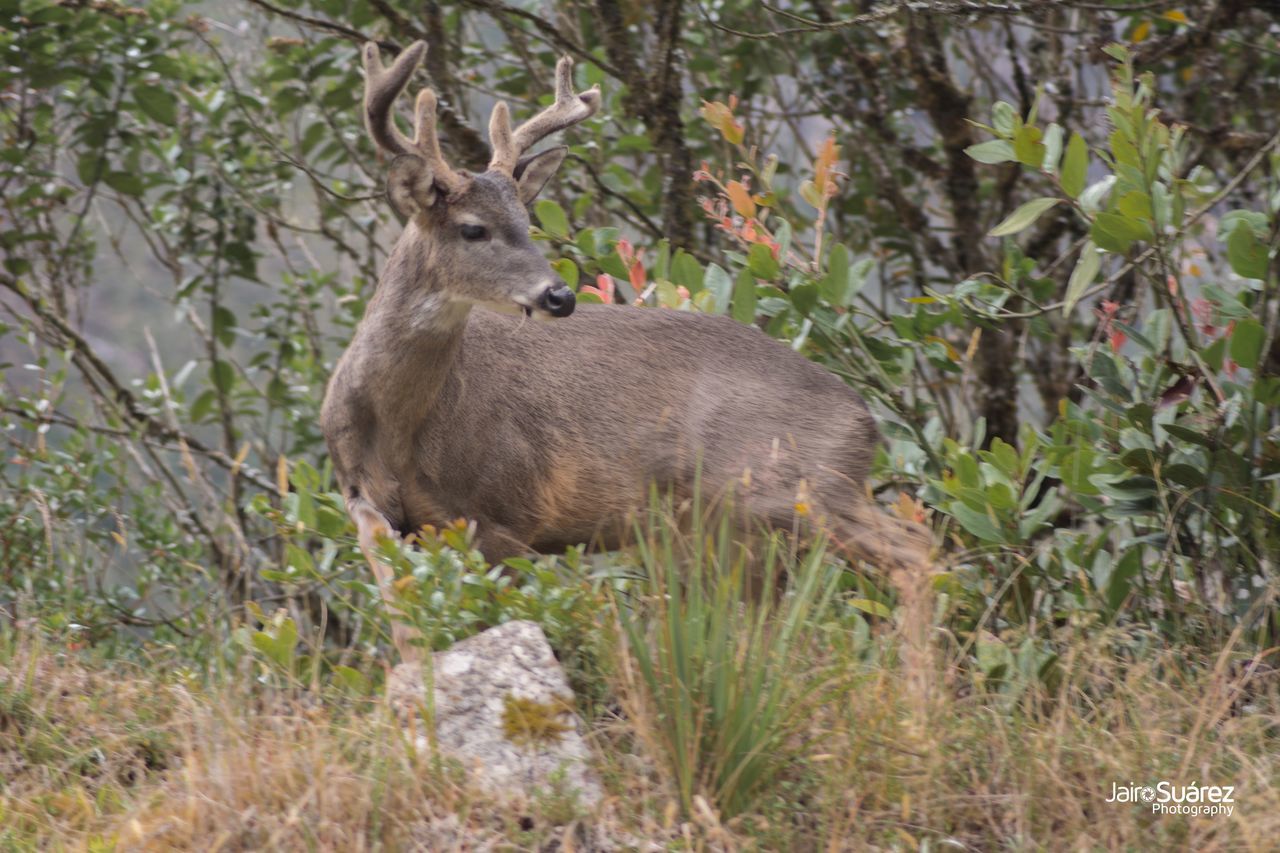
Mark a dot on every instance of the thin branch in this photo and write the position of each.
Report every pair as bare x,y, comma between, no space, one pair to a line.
547,30
322,24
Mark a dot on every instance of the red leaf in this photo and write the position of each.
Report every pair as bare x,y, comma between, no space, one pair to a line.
636,274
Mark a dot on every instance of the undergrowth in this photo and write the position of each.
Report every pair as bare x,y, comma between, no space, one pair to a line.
793,720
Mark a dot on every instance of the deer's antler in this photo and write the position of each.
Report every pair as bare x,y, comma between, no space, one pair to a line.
568,109
381,88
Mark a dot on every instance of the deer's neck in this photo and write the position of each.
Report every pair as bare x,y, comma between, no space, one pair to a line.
411,333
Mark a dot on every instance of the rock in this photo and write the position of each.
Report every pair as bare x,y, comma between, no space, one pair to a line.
504,711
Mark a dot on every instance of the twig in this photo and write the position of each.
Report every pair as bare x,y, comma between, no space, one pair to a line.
322,24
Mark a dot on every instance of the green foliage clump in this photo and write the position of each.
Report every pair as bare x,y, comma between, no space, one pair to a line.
711,675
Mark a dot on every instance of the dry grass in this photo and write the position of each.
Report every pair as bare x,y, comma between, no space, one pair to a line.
106,756
971,771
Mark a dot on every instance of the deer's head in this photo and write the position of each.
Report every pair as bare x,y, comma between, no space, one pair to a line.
476,225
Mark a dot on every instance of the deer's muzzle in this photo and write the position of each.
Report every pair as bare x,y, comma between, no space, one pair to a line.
558,301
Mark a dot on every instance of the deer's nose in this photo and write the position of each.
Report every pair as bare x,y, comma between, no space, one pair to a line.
558,301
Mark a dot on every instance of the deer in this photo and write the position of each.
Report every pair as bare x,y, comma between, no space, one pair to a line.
475,387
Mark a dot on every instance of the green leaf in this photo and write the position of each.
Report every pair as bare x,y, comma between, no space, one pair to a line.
612,264
810,194
994,658
299,559
1082,276
586,242
1255,219
1225,303
157,103
1136,204
223,375
982,525
224,325
1004,118
761,262
305,508
552,219
835,284
804,297
744,298
686,270
1117,51
1191,435
279,647
1052,148
1246,254
352,679
1027,146
1004,456
991,152
318,132
1092,196
1158,328
1026,214
718,283
1075,166
330,522
1127,568
1136,336
1246,342
1124,151
203,406
668,296
567,270
1074,471
1000,496
128,183
967,471
1116,232
875,608
89,164
1185,475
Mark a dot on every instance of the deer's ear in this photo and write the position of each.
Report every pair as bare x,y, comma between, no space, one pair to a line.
533,172
410,185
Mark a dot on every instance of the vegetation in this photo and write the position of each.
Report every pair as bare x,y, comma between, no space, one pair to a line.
1041,239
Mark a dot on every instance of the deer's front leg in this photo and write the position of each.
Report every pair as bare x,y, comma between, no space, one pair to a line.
371,524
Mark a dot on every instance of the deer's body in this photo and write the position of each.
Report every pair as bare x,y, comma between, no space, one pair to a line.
539,433
550,432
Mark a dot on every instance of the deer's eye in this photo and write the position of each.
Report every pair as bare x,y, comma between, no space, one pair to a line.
474,232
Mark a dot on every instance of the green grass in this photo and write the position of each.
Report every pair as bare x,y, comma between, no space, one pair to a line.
712,674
